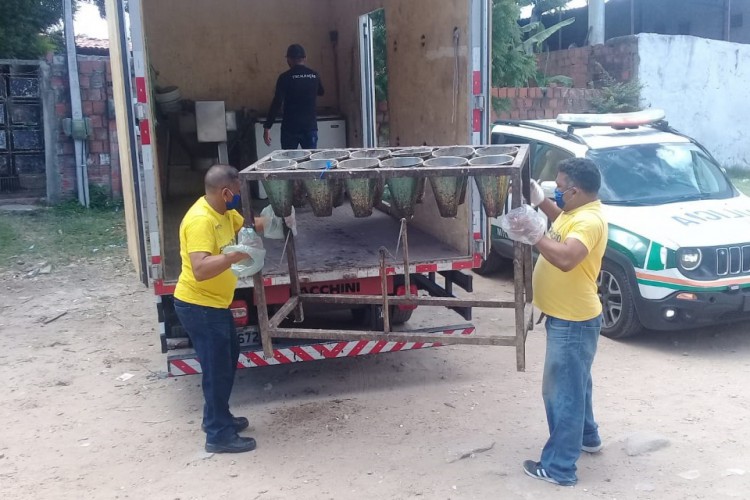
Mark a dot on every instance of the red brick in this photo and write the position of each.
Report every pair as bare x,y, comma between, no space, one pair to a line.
515,115
99,107
61,110
84,81
95,95
96,121
523,92
85,67
96,147
101,134
502,93
87,107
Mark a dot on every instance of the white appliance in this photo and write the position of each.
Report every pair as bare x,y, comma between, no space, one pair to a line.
331,134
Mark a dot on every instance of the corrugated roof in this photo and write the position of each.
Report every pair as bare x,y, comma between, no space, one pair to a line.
87,45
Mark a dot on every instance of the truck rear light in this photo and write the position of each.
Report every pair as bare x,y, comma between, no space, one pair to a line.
401,291
239,312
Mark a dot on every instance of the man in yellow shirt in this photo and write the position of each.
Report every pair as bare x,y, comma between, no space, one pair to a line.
565,290
204,291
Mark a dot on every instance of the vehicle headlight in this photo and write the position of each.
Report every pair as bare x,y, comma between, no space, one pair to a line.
690,258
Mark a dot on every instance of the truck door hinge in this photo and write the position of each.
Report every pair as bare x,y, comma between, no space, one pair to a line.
156,272
479,102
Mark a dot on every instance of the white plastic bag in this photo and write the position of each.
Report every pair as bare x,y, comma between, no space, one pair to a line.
273,225
250,243
524,224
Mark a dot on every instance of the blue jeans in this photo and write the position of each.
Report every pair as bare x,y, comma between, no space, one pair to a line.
566,389
214,338
305,140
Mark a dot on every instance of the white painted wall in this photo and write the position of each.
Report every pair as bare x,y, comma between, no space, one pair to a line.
703,86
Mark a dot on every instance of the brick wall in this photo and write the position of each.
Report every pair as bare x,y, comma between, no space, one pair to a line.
102,156
536,103
619,57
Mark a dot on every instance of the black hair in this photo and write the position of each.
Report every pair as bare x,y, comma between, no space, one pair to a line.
220,176
583,174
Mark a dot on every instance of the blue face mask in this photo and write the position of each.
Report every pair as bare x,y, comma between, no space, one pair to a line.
235,203
559,198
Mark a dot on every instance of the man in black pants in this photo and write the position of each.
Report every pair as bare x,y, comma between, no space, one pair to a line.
297,89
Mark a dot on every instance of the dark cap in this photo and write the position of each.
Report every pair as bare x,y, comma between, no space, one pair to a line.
295,51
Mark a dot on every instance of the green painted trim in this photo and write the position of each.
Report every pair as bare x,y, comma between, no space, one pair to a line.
628,243
654,258
686,288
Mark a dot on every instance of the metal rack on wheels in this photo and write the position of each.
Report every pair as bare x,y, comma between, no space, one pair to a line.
270,327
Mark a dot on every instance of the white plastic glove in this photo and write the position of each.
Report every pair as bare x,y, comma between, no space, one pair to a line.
524,224
536,193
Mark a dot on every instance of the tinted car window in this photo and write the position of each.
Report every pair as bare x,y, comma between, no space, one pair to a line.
653,174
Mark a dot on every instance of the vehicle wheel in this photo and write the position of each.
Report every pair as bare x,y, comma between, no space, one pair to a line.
400,316
620,318
494,263
372,318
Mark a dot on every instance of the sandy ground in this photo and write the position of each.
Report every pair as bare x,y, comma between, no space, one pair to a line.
387,426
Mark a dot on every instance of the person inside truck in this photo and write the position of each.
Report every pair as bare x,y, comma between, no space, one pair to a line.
297,90
204,291
565,290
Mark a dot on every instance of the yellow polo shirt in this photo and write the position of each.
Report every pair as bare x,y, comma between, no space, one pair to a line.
203,229
572,296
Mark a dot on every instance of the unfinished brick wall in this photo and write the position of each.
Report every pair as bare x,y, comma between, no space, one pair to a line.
102,156
536,103
619,57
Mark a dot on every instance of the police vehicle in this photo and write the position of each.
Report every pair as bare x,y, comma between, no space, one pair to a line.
678,254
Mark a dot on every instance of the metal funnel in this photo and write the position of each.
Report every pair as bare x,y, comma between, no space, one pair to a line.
449,191
404,190
497,150
297,155
423,152
331,154
493,189
361,191
320,190
280,192
380,154
460,151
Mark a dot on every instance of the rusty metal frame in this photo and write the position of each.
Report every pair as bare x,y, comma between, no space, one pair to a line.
270,328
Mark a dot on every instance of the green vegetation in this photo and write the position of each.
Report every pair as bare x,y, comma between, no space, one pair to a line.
741,179
614,96
60,235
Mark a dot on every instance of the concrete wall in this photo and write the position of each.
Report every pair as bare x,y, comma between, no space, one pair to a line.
702,85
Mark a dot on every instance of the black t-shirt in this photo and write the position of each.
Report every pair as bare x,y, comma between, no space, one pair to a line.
297,89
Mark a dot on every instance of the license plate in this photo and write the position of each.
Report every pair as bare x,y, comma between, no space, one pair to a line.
247,337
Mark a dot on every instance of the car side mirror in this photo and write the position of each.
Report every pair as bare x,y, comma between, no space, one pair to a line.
549,188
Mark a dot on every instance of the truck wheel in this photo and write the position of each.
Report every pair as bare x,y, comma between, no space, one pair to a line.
400,316
371,317
492,264
619,317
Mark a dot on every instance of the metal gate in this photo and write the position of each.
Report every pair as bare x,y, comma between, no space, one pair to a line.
22,159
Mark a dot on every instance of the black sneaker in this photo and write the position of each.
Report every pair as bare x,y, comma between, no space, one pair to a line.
535,470
235,444
240,424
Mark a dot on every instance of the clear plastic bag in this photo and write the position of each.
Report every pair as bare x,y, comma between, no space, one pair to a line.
273,225
250,243
524,224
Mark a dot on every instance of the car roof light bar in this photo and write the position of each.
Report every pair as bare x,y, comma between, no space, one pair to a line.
539,126
614,120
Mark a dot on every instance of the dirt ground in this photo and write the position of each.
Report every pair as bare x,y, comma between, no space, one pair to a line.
381,427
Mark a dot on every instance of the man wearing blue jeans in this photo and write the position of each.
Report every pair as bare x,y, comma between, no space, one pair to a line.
203,294
565,290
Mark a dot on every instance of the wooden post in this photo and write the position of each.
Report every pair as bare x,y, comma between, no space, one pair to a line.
262,307
291,258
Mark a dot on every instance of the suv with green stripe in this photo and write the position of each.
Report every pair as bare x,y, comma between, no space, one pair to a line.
678,254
